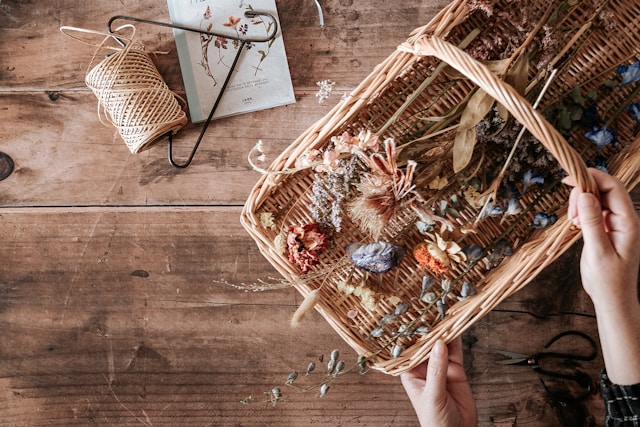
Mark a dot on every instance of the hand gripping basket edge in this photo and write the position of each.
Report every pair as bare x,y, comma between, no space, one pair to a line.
530,256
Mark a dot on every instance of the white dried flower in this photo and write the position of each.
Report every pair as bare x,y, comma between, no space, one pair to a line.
326,86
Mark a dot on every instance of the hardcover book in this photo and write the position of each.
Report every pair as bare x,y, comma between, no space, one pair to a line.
261,76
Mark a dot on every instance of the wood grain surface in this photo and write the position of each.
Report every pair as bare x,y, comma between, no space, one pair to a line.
124,282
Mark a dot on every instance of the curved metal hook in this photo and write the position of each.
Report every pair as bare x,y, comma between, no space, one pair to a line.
243,41
248,14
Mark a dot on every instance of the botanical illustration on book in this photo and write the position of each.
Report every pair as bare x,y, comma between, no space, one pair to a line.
261,76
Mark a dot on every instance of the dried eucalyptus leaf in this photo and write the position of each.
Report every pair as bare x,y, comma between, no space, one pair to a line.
477,108
463,148
518,77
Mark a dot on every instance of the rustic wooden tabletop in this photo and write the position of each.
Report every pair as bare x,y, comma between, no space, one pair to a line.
121,297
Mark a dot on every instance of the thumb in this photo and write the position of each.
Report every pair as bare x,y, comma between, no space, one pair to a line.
436,386
591,221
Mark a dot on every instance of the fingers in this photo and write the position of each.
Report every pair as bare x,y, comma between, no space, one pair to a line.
455,351
591,221
437,372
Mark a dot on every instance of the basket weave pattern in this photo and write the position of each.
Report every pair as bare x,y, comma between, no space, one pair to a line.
390,102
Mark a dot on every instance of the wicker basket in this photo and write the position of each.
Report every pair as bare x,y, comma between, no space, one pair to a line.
593,40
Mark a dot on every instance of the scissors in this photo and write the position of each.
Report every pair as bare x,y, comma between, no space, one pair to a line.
533,361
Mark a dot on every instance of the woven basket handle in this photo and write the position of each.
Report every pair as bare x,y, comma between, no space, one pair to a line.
517,105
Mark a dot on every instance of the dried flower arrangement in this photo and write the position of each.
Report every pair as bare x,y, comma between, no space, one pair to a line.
421,199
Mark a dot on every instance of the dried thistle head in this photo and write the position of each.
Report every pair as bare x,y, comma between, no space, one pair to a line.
383,190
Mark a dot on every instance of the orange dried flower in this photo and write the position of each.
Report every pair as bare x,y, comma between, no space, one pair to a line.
427,260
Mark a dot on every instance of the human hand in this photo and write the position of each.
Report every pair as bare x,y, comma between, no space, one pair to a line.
439,390
610,229
609,269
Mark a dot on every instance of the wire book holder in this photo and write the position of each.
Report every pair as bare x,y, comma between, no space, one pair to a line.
243,42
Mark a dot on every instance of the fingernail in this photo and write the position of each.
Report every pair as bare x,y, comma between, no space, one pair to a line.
438,348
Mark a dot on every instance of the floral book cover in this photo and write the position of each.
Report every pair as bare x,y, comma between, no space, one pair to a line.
261,76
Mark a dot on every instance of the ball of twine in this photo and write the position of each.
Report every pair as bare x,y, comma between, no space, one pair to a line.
134,98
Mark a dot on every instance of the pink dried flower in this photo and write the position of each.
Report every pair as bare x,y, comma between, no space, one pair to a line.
304,242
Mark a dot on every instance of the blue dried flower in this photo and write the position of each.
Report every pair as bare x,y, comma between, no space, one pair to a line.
601,136
514,208
491,209
599,163
543,220
473,253
531,177
629,73
634,111
590,116
377,257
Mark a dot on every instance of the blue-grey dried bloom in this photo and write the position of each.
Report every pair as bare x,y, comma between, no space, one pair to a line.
429,297
599,163
502,249
601,137
629,73
514,208
335,354
543,220
634,111
362,364
531,177
377,257
424,227
339,368
473,253
491,209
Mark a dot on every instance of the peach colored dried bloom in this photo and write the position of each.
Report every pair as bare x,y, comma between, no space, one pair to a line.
303,244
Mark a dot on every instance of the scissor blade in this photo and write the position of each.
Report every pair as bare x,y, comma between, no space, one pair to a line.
514,358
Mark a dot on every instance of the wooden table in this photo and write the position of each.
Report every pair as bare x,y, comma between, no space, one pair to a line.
121,297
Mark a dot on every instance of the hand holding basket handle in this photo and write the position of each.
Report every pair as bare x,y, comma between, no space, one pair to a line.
517,105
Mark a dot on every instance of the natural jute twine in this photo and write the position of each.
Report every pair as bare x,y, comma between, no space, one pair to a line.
133,96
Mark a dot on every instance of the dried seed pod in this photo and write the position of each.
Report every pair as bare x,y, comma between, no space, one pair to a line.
291,378
376,332
339,368
421,330
335,354
430,297
544,220
466,291
324,388
405,330
401,308
396,350
387,318
427,284
362,364
331,366
442,308
376,257
275,394
310,368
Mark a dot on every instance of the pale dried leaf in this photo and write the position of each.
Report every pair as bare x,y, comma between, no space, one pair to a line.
518,77
463,148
